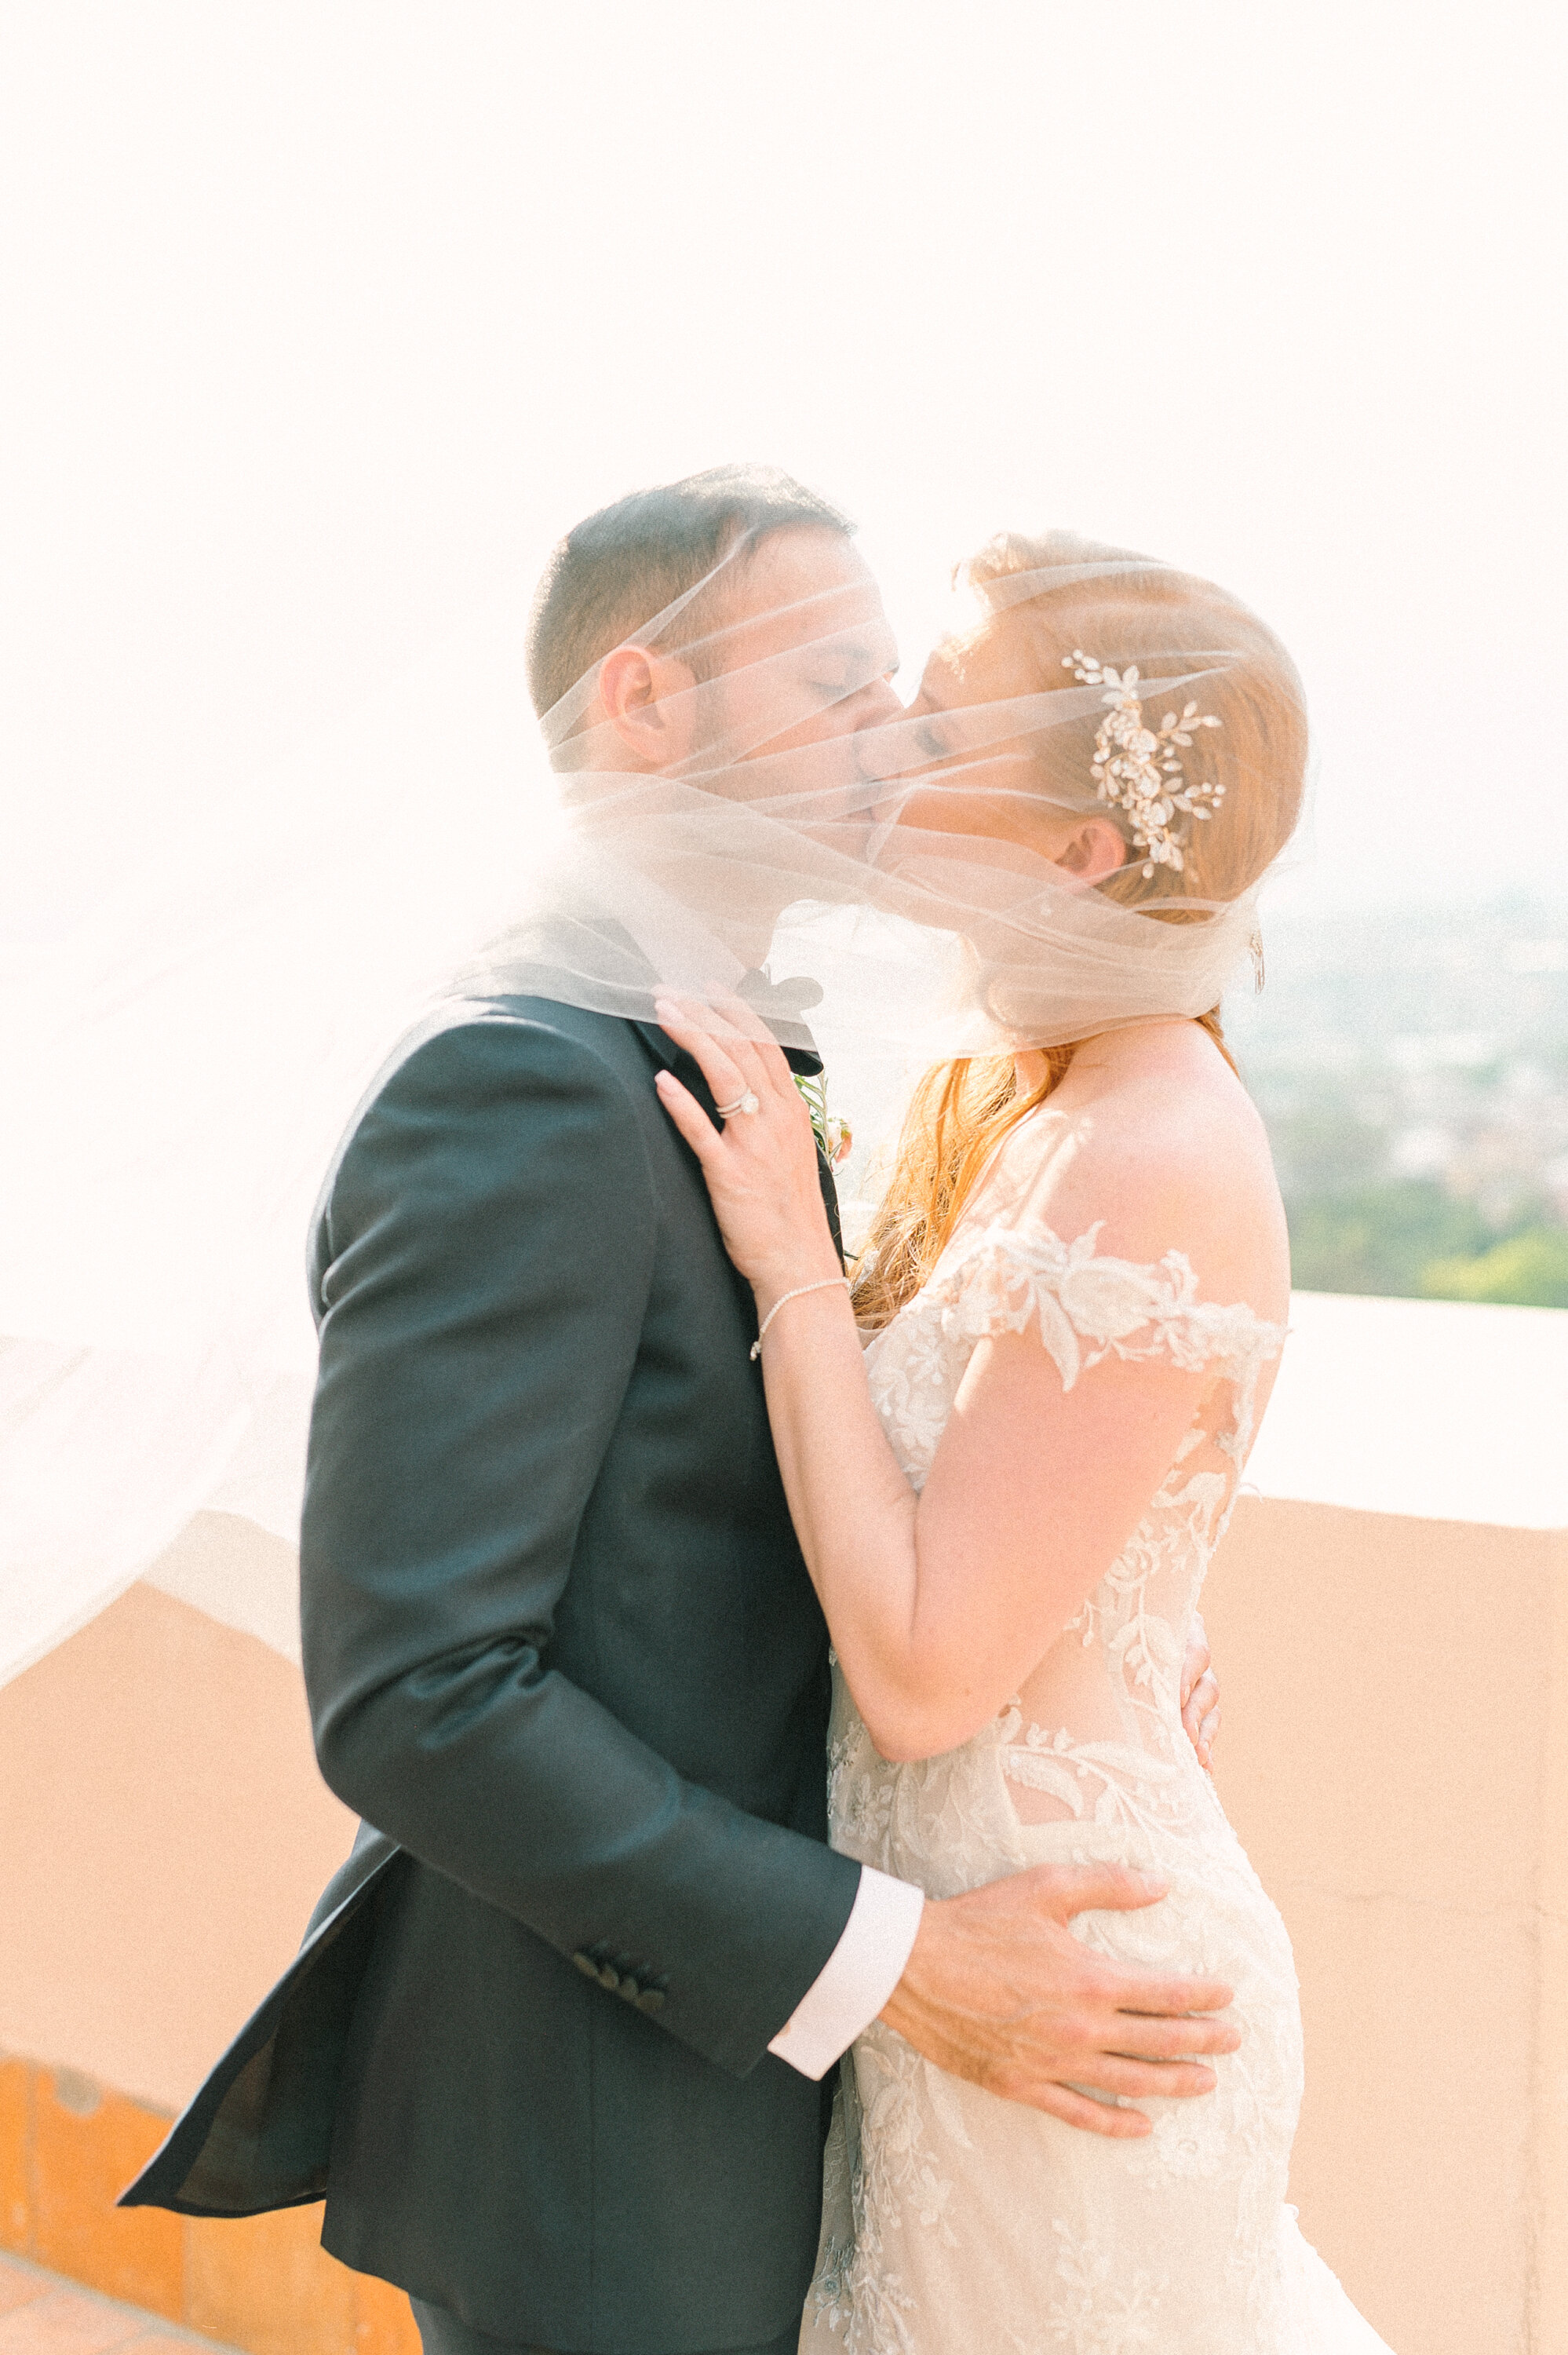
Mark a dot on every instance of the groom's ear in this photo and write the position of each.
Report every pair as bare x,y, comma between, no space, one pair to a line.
647,699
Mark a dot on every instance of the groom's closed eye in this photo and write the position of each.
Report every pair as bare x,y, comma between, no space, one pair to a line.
856,669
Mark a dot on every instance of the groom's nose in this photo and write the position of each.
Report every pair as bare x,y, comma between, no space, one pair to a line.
875,704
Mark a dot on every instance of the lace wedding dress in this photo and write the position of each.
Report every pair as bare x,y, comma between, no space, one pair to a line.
956,2223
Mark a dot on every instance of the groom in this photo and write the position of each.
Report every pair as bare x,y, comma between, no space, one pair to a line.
558,2045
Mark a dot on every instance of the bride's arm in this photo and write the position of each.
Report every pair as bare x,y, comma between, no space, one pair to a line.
938,1605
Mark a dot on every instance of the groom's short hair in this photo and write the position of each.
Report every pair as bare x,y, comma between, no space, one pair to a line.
618,569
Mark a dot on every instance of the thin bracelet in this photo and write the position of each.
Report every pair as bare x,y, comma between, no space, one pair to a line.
827,1285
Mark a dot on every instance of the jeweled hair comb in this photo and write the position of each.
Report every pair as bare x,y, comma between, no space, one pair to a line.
1136,769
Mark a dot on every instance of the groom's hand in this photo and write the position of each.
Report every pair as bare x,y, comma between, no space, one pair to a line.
1199,1694
999,1990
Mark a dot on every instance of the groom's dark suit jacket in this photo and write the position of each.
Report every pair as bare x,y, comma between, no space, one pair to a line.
561,1649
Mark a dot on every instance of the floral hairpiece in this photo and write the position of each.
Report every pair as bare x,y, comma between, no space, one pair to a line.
1136,769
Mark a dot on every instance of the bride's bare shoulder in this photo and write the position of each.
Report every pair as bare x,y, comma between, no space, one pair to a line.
1164,1149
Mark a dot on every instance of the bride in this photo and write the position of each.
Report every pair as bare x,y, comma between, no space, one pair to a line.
1010,1445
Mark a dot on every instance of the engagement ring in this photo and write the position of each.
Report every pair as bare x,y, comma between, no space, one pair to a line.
747,1103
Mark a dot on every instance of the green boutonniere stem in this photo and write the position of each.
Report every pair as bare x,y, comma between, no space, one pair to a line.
835,1136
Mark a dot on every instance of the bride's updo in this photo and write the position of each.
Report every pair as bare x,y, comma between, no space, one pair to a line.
1054,605
1166,622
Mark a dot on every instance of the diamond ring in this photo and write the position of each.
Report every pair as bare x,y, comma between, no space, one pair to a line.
747,1103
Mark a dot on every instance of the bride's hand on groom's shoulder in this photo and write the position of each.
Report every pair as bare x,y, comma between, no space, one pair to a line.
999,1990
760,1165
1199,1693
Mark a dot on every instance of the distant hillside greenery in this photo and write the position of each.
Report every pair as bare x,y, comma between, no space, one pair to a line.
1411,1238
1412,1067
1530,1269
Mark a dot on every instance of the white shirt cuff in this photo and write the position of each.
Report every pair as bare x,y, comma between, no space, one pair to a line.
857,1978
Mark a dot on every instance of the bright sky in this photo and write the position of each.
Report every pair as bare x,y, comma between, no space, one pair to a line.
323,320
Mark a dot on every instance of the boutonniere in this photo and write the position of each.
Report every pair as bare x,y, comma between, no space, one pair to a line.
835,1136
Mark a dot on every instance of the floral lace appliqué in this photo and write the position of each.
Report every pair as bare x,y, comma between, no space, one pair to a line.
964,2222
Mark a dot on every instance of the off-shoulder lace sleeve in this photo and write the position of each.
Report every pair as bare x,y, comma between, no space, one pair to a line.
1086,1308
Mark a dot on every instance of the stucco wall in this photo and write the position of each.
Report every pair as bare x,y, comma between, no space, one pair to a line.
164,1835
1395,1756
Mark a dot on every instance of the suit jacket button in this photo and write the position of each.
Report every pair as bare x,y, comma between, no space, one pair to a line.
586,1964
651,1999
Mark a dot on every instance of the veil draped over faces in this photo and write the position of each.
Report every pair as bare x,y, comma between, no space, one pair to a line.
892,887
732,802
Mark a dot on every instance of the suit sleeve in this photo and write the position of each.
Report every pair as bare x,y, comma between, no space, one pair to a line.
485,1259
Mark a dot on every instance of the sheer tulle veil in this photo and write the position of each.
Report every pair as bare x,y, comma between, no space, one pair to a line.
179,1069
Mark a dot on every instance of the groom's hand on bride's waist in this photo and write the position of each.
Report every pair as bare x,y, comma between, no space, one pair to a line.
1199,1693
999,1990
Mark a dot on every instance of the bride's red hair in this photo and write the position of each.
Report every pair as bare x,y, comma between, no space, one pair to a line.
1167,623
